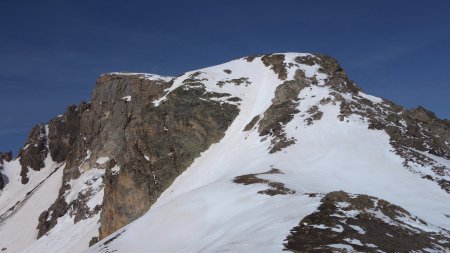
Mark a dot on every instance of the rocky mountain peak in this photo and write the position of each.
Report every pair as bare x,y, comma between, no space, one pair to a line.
274,140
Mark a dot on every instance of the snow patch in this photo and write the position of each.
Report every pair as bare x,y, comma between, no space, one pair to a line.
370,97
102,160
127,98
88,155
354,241
147,76
358,229
338,229
67,236
342,246
115,170
19,229
91,180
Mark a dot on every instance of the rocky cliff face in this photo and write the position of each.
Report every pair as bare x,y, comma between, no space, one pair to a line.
141,148
275,121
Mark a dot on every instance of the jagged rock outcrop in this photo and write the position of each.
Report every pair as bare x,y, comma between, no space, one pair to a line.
283,108
346,223
64,131
285,102
33,154
4,157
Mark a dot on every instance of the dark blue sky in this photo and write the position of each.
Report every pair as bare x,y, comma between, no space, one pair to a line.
51,52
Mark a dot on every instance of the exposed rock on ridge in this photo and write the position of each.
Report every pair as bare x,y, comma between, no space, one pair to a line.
347,223
33,154
415,134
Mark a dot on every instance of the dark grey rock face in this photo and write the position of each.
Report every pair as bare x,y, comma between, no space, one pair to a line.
64,132
171,136
97,128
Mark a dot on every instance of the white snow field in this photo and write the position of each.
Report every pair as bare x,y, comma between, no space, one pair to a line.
17,233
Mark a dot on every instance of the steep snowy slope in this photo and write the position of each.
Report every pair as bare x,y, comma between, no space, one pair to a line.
22,206
29,202
261,154
245,193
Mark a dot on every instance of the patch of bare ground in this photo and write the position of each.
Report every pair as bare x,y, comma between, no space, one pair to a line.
276,188
315,114
235,81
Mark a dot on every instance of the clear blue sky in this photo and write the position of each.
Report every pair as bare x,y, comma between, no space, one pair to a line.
51,52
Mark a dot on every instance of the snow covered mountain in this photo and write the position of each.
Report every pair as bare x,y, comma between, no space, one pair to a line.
268,153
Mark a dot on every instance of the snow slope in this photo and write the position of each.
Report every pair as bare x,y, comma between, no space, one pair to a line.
18,232
21,206
205,211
